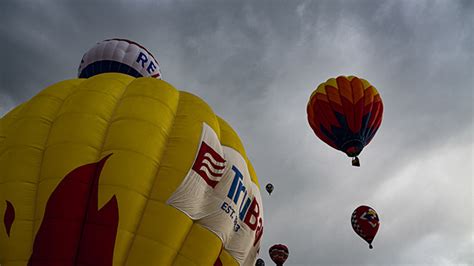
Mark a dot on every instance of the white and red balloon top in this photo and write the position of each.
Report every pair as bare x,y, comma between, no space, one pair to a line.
119,55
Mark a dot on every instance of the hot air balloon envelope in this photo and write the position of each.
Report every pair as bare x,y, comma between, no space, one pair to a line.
365,222
116,170
345,113
269,188
279,253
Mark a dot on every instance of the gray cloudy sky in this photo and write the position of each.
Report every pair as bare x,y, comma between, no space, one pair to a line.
257,62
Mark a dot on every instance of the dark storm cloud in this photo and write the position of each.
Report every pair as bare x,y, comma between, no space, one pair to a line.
257,62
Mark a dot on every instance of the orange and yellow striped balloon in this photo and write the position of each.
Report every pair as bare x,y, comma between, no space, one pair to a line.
345,112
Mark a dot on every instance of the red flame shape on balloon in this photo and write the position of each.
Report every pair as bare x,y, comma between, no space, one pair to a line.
9,217
74,231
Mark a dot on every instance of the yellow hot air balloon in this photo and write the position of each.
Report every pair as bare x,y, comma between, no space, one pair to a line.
116,170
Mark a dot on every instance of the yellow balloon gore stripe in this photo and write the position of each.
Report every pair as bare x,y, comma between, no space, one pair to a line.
153,132
24,132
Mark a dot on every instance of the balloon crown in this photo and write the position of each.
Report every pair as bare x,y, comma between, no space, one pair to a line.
120,56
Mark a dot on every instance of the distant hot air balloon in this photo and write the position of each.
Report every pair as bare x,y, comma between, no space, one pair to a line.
116,170
345,113
260,262
279,253
269,188
365,223
119,55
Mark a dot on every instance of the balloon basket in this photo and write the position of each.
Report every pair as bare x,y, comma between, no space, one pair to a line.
355,162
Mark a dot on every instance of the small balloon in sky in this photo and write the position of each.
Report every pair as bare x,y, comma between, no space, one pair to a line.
269,188
260,262
120,56
365,222
279,253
